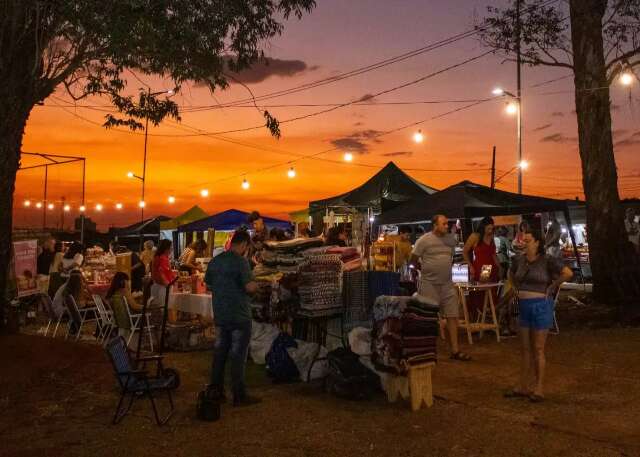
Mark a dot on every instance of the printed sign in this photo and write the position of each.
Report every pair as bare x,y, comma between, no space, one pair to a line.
25,258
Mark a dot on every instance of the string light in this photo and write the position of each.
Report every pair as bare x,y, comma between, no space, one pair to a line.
626,78
50,206
418,137
82,208
142,204
118,205
38,205
171,199
67,208
98,207
291,173
27,203
245,184
204,193
348,157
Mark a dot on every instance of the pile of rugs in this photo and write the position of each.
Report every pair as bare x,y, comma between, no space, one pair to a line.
405,331
320,283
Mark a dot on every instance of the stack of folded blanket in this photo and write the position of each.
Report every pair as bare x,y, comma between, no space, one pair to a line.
405,330
320,283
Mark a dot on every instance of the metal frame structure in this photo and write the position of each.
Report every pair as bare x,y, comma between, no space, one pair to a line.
55,159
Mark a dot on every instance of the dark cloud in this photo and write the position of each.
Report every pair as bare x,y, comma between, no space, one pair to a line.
398,154
557,114
636,135
370,134
542,127
351,144
263,69
475,164
366,98
558,138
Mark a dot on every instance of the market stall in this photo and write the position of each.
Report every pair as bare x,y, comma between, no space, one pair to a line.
134,235
168,229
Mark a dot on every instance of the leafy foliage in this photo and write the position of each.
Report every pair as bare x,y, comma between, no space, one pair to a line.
92,46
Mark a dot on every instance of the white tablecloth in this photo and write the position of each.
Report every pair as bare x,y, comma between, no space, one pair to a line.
192,303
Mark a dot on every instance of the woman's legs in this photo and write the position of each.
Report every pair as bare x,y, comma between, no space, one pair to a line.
539,339
526,360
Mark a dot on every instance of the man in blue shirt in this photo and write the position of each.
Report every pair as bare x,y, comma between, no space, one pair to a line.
229,278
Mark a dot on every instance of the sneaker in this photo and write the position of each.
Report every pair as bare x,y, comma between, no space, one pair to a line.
247,400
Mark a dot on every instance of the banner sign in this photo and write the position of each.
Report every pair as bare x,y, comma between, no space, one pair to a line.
25,258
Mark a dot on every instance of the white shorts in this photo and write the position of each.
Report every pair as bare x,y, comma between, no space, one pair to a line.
443,295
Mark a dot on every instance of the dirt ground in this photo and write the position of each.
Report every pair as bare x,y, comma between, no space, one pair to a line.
57,399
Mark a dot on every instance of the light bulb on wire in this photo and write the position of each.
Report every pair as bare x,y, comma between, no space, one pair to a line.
67,208
245,184
142,204
27,203
98,207
204,193
348,157
171,199
50,206
38,205
291,173
82,208
418,137
118,205
626,78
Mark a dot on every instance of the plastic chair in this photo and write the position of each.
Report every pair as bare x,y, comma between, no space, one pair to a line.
106,318
126,321
79,315
137,383
47,304
555,329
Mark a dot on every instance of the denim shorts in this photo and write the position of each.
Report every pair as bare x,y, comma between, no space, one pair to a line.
536,313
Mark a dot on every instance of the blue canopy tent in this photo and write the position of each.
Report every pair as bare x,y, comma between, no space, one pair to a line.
229,220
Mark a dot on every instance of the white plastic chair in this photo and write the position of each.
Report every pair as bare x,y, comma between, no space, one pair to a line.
555,329
130,322
106,318
48,306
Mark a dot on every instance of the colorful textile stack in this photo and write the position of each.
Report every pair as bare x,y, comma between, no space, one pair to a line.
320,283
405,329
349,255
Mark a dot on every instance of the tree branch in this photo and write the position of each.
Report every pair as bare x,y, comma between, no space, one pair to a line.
624,57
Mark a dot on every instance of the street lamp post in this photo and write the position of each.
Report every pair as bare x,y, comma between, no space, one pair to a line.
522,165
518,112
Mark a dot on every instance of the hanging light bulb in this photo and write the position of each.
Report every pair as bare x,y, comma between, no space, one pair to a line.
245,184
118,205
348,157
418,137
67,208
82,208
171,199
204,193
50,206
27,203
142,204
626,78
38,205
291,173
98,207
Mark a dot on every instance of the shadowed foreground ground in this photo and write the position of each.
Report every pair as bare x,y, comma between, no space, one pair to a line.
57,398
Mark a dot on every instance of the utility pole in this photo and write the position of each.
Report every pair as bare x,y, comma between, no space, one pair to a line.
519,91
144,160
44,202
493,168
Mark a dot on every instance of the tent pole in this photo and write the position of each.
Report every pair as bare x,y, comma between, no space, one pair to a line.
567,217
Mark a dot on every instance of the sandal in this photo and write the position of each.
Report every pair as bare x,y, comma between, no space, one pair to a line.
535,398
461,356
514,393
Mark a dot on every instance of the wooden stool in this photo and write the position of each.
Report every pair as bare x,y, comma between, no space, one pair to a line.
416,384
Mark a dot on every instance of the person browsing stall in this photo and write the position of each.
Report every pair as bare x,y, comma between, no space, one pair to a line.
161,272
229,277
536,276
120,288
435,251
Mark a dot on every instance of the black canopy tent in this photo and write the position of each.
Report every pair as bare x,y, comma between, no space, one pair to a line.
149,228
467,200
389,184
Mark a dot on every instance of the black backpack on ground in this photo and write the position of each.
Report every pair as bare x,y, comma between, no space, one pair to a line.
208,404
348,378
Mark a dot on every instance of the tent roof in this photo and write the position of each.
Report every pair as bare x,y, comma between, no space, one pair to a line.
147,227
230,219
302,215
192,214
390,183
467,199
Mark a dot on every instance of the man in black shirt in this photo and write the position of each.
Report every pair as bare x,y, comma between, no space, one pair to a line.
45,259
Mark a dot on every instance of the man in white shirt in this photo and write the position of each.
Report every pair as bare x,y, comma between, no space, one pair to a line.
435,252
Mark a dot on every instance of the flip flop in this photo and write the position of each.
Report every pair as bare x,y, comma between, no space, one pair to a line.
513,393
461,356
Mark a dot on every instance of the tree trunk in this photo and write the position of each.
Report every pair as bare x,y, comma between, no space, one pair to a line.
613,262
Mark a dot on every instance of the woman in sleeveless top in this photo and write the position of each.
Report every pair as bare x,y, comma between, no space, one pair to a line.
480,250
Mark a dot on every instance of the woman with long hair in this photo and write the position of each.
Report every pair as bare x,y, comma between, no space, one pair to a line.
120,287
480,251
536,277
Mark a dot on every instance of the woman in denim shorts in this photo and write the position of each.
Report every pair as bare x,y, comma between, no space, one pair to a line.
537,277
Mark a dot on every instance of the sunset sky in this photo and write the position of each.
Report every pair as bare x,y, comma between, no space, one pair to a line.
338,36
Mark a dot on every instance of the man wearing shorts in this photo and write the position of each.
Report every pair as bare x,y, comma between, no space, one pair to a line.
435,252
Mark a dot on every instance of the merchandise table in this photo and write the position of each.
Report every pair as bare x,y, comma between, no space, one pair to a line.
488,305
192,303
